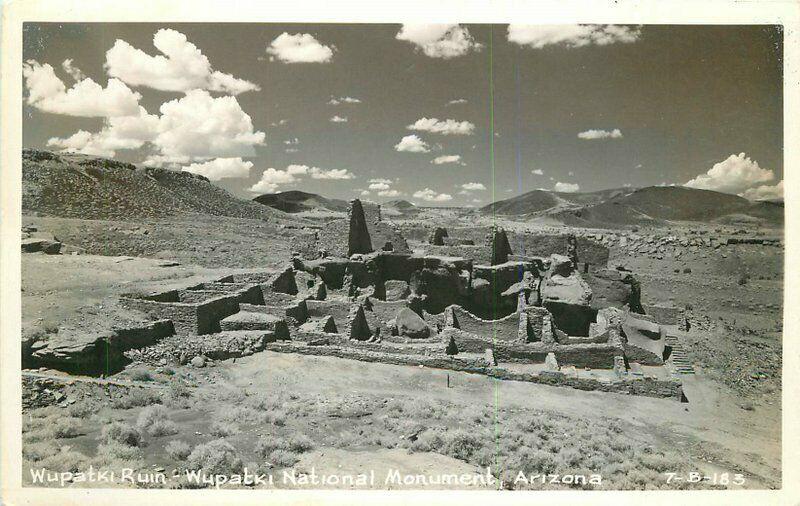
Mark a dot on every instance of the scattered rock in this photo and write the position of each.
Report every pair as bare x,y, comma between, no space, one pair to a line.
410,324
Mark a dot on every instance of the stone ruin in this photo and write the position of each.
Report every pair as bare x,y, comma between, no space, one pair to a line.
355,290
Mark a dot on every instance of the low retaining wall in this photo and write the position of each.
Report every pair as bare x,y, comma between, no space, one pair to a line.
594,356
640,386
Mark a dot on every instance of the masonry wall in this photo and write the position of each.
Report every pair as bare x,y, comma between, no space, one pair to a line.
639,386
187,318
504,329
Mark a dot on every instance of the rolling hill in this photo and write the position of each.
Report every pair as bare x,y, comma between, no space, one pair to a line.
88,187
295,201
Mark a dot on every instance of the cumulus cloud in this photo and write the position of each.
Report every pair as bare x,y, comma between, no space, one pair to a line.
566,187
338,119
119,132
735,174
412,144
600,134
74,72
457,101
317,173
180,67
279,123
473,186
439,41
271,179
764,192
296,170
201,126
299,48
221,168
444,127
538,172
431,196
381,180
343,100
440,160
365,193
48,93
389,193
379,186
539,36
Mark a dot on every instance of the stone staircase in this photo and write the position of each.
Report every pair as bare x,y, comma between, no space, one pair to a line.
680,360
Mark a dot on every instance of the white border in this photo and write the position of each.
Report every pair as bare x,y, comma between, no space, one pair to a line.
783,12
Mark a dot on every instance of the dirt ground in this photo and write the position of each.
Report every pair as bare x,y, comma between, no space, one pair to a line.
732,422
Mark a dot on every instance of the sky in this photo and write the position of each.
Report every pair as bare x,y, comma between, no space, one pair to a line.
448,115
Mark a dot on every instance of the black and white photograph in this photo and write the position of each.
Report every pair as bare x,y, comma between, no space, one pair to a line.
515,257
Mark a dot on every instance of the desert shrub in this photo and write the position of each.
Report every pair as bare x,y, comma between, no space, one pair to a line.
115,451
141,375
155,421
149,415
299,443
121,433
136,397
486,457
461,445
178,390
296,443
215,457
81,409
429,441
267,444
659,462
570,457
178,450
267,402
278,418
282,458
65,460
384,441
35,452
178,395
743,278
162,428
66,427
222,429
244,414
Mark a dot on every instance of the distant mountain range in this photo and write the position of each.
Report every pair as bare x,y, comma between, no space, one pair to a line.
629,206
88,187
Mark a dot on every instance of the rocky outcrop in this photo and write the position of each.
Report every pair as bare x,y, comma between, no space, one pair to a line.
410,324
77,351
46,246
